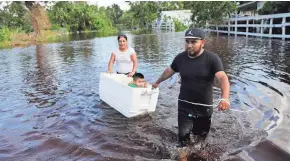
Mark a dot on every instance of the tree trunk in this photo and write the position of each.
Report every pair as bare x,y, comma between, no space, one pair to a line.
39,18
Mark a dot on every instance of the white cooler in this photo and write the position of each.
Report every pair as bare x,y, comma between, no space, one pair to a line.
114,90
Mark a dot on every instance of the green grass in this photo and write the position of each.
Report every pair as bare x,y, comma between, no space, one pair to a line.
15,37
5,34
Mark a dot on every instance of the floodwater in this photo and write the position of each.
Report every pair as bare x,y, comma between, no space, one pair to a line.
50,107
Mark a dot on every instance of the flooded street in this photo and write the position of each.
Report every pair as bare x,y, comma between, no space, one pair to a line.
50,107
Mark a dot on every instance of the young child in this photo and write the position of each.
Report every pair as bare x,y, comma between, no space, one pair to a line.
138,81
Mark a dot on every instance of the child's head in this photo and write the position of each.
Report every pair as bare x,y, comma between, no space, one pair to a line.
138,79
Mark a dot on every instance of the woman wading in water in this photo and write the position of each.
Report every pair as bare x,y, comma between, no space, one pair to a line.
125,58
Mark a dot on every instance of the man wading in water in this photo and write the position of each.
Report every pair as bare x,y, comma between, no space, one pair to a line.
197,68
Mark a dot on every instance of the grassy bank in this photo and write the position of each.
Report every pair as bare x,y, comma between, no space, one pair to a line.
15,37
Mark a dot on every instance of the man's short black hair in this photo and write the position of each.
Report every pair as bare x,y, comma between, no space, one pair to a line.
138,76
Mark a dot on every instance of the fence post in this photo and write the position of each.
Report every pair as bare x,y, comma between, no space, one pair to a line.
270,30
166,26
229,28
247,29
217,29
236,28
262,29
259,24
283,28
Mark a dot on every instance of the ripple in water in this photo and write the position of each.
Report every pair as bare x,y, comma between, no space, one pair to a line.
51,110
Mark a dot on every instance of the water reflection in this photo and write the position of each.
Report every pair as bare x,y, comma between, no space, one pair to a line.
51,107
67,53
40,82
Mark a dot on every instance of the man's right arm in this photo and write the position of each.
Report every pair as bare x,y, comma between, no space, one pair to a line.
169,72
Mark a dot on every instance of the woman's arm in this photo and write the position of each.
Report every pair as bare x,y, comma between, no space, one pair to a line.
111,62
135,64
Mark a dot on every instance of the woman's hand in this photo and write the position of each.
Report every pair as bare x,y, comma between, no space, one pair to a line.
111,62
135,64
131,74
146,85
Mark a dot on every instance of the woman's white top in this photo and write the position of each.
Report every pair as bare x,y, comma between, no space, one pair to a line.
123,60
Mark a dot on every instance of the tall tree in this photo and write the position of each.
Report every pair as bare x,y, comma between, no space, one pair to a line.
171,5
15,15
210,11
79,16
39,18
144,12
202,12
127,19
275,7
114,12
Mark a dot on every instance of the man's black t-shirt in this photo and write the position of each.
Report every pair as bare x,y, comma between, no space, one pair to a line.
197,75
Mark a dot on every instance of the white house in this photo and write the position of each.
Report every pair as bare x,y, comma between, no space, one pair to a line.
250,8
184,16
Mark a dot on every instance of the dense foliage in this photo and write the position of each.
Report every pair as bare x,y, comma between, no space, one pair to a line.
79,17
72,16
142,13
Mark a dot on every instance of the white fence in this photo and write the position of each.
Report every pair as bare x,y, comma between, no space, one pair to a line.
164,26
266,22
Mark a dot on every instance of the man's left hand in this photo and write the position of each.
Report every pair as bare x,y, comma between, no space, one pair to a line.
224,105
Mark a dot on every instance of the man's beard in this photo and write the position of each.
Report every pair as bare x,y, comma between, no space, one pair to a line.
195,53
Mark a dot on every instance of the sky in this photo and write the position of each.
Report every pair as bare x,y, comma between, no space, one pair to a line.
123,5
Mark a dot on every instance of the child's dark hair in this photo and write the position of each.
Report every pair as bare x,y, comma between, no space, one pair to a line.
138,76
124,36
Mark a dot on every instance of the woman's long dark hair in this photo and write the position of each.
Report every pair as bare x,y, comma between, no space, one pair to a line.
124,36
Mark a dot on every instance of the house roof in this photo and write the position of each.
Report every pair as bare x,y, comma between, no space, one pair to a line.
248,6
